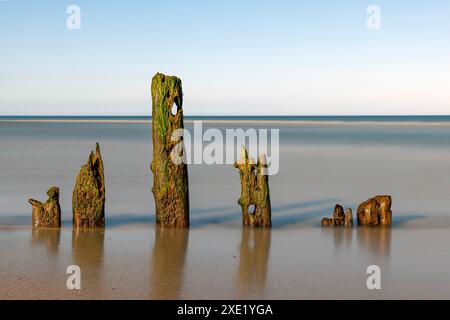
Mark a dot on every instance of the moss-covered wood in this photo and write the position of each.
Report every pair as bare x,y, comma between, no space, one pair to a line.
47,214
88,200
170,179
255,195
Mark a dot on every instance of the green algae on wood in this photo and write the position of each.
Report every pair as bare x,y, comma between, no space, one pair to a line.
88,200
255,195
47,214
170,179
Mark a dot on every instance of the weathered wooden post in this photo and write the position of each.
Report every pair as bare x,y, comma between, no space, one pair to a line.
339,218
255,195
47,214
170,179
375,211
348,222
88,200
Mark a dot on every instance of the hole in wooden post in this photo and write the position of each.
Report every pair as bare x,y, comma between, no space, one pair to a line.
251,209
174,109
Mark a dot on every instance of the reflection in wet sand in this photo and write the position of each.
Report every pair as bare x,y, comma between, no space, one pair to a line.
375,240
342,236
169,255
254,254
49,237
87,253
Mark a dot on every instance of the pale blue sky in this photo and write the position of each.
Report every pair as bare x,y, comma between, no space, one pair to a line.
261,57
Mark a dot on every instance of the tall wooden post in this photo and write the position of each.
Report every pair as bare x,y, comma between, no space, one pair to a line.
170,179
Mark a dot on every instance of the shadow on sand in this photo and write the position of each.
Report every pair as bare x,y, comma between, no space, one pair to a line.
398,221
282,220
280,214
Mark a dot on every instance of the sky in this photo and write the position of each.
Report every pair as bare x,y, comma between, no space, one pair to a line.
315,57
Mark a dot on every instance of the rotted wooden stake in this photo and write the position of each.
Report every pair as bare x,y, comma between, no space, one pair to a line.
88,200
170,179
47,214
375,211
339,218
255,195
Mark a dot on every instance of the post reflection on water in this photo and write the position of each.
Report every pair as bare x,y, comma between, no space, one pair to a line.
342,237
49,237
168,260
87,253
253,259
376,241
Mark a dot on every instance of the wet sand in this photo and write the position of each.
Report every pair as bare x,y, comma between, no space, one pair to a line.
226,263
320,165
